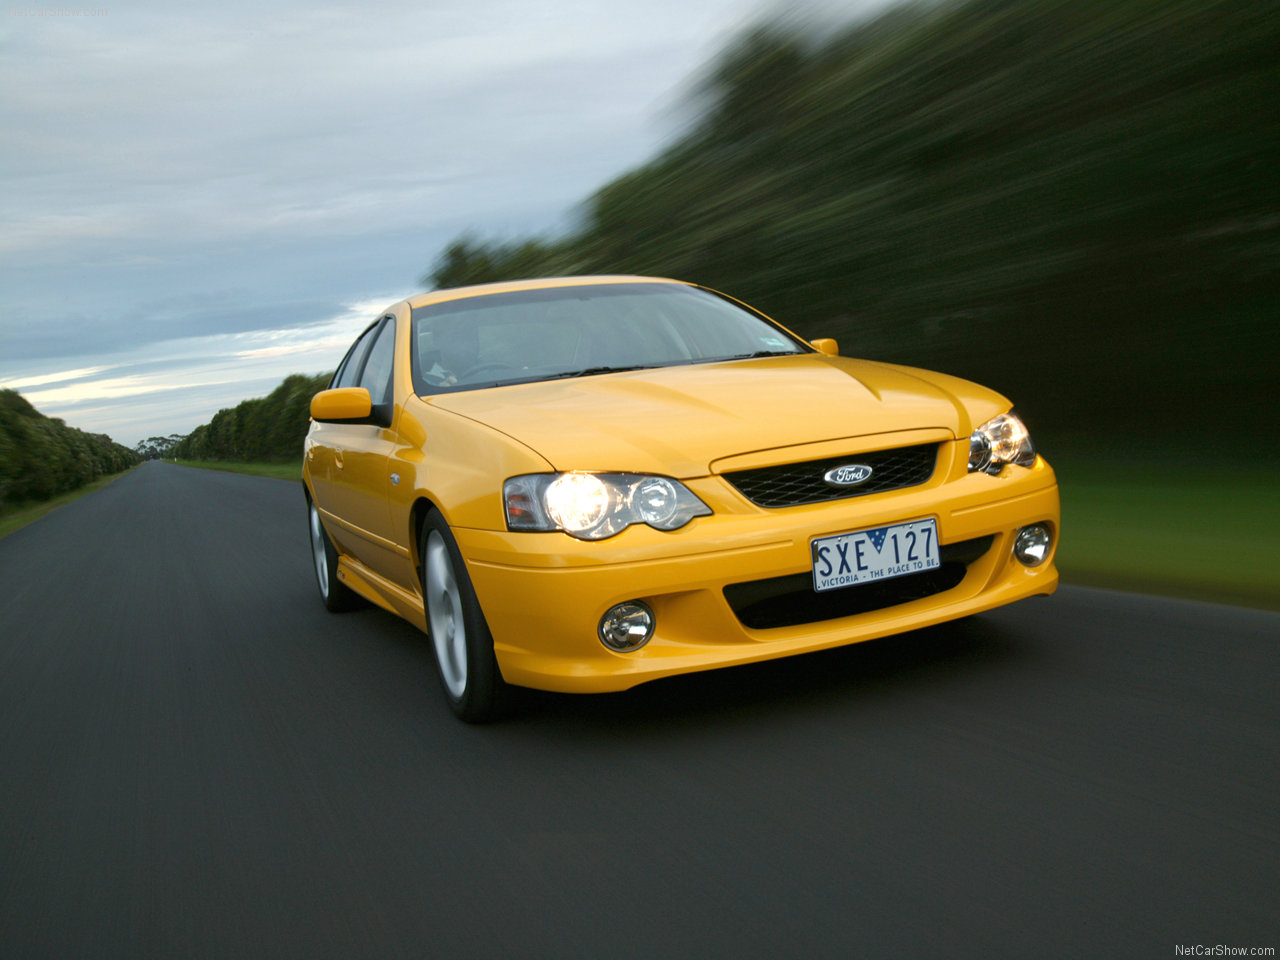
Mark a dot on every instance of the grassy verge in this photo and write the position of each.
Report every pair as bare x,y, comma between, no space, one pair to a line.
1206,533
1153,526
16,515
291,470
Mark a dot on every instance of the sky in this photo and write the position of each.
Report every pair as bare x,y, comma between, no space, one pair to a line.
197,199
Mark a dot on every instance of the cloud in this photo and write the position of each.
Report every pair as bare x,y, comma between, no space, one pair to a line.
182,175
175,385
62,376
291,118
118,388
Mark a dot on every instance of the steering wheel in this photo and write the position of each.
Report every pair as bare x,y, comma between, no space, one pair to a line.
466,375
435,379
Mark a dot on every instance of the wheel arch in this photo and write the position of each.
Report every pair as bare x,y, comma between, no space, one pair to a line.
422,506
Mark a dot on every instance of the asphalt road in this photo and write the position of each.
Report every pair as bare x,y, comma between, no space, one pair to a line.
196,760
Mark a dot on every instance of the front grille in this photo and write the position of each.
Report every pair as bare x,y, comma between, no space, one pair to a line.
791,484
791,600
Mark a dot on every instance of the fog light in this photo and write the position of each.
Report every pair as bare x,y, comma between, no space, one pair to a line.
628,626
1032,545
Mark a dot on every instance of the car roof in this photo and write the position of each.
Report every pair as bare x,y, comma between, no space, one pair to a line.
544,283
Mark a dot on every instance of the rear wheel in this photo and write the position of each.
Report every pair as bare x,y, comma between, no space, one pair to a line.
459,635
335,594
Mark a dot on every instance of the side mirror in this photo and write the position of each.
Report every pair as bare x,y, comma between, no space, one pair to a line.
343,404
826,345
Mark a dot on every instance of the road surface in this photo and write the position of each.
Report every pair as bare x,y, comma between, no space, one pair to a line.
196,760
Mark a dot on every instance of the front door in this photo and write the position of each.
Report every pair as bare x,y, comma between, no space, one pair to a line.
351,461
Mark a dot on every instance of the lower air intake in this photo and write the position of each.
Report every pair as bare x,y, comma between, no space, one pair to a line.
790,601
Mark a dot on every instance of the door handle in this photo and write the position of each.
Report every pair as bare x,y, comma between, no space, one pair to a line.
337,459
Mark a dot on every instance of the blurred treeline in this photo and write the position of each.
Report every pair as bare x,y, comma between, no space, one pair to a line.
264,429
1075,202
41,457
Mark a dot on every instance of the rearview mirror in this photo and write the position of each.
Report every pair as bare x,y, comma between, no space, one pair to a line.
826,345
345,403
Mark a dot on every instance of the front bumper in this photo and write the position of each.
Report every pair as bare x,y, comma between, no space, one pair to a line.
543,593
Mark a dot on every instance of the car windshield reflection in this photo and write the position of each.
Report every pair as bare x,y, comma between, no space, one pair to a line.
581,331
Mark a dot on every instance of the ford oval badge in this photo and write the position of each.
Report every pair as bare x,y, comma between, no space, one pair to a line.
847,475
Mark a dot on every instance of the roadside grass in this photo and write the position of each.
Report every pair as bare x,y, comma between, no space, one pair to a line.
289,470
1206,534
16,515
1146,525
1152,527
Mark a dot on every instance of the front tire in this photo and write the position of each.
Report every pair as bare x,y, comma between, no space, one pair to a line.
334,594
460,638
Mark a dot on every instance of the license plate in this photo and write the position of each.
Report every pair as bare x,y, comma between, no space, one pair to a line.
866,555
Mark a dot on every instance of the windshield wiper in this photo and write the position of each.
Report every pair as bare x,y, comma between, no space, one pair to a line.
752,356
592,371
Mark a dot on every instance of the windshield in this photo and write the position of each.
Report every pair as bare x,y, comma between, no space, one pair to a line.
558,332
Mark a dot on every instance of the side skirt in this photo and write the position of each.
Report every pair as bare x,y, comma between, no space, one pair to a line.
382,592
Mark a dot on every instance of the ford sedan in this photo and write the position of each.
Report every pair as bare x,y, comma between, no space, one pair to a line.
585,483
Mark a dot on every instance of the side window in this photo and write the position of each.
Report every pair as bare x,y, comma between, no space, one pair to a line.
349,372
376,377
337,374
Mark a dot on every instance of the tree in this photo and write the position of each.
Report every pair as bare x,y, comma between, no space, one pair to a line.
41,457
1075,203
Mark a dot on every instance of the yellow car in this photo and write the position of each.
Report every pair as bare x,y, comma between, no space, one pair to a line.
585,483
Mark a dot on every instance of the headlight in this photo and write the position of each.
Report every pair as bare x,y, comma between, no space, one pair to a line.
1003,439
592,506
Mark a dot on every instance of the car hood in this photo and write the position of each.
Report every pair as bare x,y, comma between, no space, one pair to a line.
679,420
